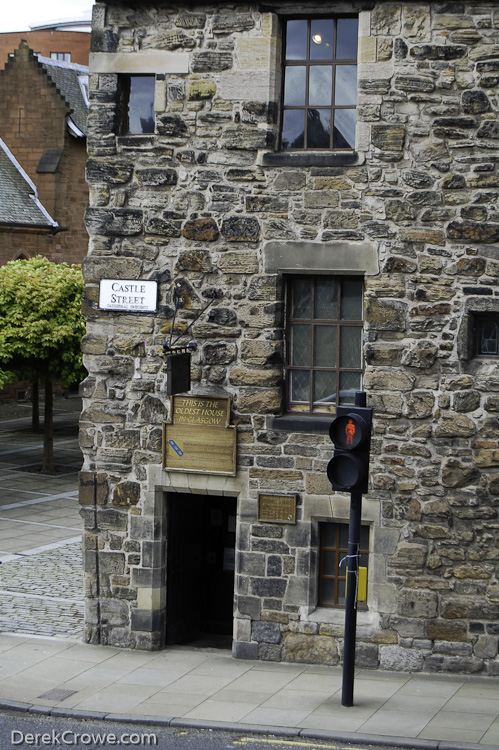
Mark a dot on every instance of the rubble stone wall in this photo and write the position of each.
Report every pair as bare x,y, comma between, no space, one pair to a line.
208,206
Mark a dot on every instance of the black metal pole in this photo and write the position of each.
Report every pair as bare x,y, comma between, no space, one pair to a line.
350,634
351,602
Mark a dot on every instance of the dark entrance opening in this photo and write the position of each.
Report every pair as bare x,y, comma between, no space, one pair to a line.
201,537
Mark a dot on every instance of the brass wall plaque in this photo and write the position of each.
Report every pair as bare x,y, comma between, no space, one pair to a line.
200,438
277,508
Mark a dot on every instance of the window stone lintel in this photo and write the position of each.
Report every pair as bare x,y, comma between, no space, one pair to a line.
337,257
145,62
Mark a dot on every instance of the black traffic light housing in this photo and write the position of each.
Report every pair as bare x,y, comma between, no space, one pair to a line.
350,432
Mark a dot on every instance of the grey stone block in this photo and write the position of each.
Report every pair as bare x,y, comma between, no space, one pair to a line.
148,621
266,632
244,650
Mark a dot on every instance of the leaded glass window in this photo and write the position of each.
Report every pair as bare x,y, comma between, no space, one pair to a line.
319,83
333,541
324,342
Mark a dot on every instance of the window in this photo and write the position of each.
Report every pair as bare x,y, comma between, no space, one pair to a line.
478,333
64,56
486,335
137,104
319,83
50,160
332,563
323,342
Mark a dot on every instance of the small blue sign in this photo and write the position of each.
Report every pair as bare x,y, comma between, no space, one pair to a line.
176,448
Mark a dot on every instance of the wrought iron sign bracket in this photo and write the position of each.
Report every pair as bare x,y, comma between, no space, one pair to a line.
178,358
169,347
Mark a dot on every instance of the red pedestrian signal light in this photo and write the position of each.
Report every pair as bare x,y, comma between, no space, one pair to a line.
350,431
351,434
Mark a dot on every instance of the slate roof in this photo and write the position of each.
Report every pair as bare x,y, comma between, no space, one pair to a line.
19,204
71,81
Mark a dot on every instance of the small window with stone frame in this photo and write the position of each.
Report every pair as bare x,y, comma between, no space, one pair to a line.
319,90
324,326
136,104
333,550
486,335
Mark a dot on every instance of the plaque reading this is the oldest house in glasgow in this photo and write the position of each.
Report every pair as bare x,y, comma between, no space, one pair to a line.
200,438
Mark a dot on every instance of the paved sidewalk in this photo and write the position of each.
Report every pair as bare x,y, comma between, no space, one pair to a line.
40,595
40,526
207,688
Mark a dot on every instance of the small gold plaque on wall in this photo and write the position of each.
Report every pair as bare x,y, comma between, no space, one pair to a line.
277,508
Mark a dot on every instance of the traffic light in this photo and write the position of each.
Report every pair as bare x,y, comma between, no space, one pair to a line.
351,434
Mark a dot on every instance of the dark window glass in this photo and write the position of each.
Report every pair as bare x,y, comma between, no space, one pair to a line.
333,549
487,334
137,104
323,342
320,84
348,30
321,39
293,128
296,40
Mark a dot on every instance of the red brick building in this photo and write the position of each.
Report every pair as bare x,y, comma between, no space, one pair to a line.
43,120
48,42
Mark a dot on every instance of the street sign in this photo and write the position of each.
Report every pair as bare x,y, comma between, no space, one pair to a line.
128,295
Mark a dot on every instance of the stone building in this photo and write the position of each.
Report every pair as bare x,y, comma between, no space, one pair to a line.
312,188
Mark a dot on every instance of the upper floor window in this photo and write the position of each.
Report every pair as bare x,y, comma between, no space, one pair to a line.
319,83
323,342
136,104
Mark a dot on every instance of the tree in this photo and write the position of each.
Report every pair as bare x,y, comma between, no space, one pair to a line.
41,327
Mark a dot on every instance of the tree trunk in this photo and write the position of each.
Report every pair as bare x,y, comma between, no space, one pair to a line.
35,406
48,431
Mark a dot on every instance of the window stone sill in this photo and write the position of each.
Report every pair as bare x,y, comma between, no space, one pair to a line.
302,423
134,142
312,159
336,616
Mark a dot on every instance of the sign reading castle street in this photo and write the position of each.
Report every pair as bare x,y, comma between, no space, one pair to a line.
200,438
131,295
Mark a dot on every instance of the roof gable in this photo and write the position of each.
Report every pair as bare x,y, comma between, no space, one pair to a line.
71,81
19,204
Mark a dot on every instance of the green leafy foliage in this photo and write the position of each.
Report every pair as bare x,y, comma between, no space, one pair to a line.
41,324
